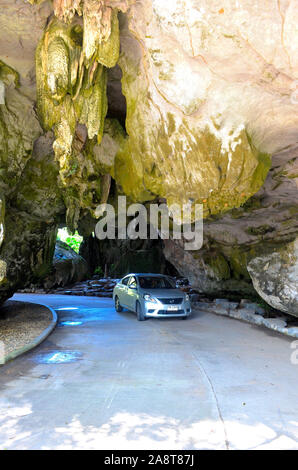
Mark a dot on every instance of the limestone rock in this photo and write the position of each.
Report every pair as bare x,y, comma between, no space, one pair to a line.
208,92
68,267
21,27
210,117
275,277
215,99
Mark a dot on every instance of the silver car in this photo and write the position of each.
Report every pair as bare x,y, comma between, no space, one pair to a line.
151,295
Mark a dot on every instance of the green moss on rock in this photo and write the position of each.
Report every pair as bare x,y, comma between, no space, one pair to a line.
218,265
8,75
107,52
19,128
71,97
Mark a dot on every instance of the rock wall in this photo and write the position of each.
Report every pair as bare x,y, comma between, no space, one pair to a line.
265,225
209,96
274,277
68,267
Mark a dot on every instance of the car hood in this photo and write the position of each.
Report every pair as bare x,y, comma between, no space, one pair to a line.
163,293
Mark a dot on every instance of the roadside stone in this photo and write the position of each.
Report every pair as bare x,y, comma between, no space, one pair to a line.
221,301
275,323
194,297
221,309
205,305
249,305
293,331
260,310
252,306
233,305
247,314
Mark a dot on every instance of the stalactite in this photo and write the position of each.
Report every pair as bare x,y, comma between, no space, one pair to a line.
71,74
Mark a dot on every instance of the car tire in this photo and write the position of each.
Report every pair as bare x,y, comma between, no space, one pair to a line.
118,307
184,318
140,314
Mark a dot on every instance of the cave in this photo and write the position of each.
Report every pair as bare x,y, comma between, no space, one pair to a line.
92,110
113,111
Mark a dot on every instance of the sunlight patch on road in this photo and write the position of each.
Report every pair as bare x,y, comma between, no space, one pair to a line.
67,308
58,357
142,431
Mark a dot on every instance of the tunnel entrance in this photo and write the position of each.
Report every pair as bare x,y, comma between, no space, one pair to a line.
116,258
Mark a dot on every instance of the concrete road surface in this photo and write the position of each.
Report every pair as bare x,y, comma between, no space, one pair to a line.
103,380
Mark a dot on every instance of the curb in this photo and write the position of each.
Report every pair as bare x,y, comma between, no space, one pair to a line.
39,339
251,318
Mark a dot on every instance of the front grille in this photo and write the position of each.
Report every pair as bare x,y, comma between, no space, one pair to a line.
171,301
171,312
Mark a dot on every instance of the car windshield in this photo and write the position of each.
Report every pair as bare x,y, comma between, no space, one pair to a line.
151,282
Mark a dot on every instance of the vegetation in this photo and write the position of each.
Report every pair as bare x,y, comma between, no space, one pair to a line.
98,271
73,241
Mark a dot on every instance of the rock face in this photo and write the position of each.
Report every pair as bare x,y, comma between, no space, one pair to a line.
275,277
28,173
68,267
209,96
216,99
266,223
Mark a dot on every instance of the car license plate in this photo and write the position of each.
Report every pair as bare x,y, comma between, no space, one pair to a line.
172,308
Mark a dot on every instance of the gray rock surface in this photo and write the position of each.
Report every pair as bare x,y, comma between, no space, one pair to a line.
275,277
68,267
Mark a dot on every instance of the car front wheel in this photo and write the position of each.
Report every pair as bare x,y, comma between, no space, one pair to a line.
140,314
118,307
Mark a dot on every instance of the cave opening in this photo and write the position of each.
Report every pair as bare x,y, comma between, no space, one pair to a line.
116,100
116,258
72,240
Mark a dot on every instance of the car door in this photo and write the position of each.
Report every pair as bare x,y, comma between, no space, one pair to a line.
122,291
132,293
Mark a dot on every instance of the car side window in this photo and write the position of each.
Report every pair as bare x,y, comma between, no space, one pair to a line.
125,280
132,282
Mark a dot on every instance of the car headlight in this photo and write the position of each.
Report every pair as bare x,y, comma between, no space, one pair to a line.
186,297
149,298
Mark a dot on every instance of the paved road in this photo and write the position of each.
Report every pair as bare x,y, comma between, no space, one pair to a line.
107,381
